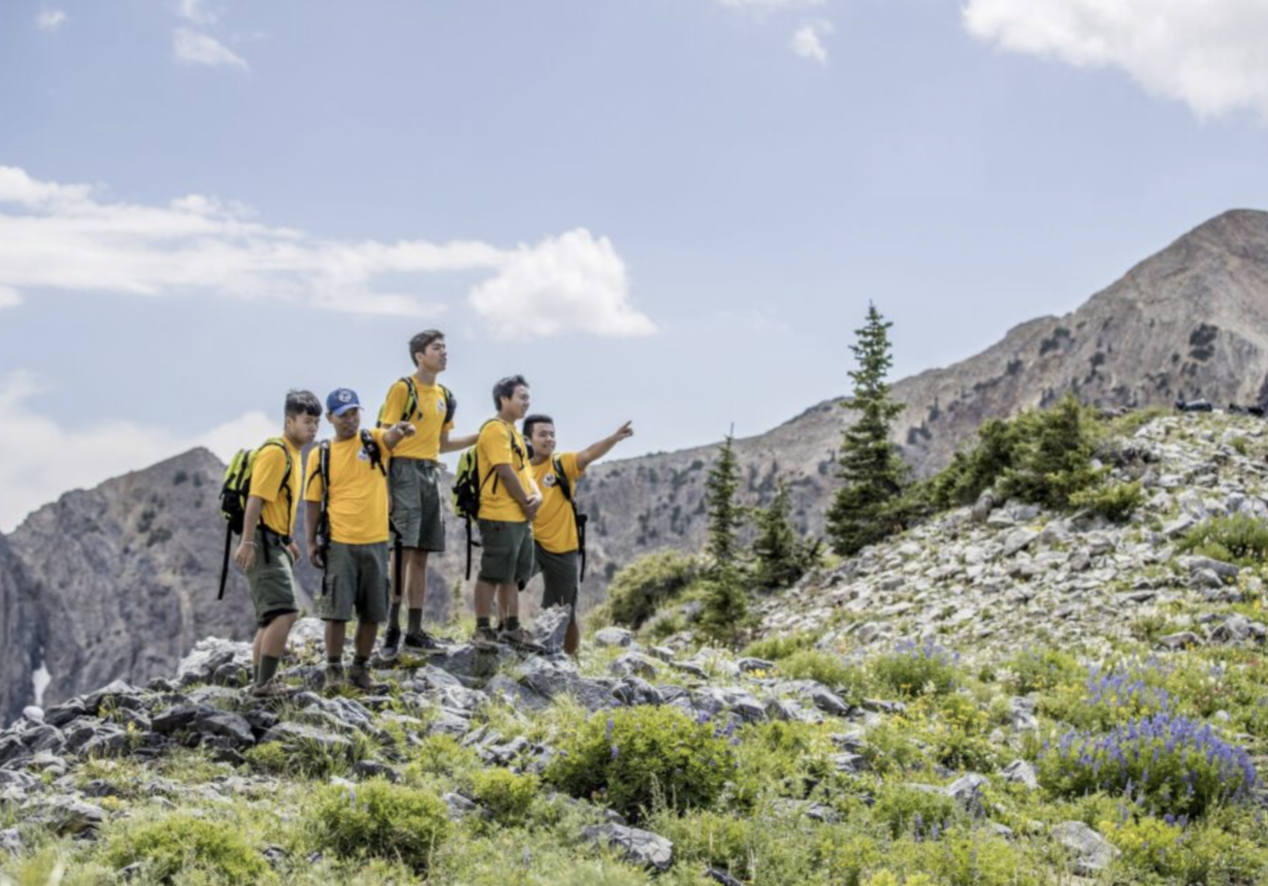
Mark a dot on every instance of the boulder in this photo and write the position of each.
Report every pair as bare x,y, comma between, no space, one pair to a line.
636,846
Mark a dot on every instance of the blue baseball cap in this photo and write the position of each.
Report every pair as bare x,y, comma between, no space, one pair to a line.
340,400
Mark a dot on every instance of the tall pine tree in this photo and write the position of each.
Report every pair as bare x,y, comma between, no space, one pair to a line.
872,473
725,514
782,555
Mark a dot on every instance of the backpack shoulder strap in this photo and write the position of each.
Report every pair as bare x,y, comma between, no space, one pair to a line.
565,485
411,398
451,404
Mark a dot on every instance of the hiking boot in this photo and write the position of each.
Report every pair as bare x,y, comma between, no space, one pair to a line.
360,678
513,636
484,637
333,678
391,644
421,642
275,688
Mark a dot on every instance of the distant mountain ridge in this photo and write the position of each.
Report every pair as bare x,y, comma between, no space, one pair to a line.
119,581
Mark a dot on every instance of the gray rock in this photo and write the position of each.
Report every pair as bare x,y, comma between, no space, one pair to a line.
226,725
67,816
986,503
1219,567
459,806
11,841
613,636
632,664
1018,540
1021,772
828,701
636,846
635,691
551,626
850,764
60,715
967,791
1092,852
749,665
178,718
1182,640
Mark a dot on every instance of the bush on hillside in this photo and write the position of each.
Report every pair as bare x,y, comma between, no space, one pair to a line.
1240,538
647,583
183,842
381,820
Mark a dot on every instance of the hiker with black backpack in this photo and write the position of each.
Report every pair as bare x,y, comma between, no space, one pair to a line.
267,553
414,480
506,500
559,529
347,525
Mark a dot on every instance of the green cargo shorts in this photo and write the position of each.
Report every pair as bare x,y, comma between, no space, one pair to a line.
561,573
356,578
271,579
506,552
417,515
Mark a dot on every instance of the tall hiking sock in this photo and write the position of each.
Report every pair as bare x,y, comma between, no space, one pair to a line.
360,661
482,622
268,669
334,661
394,617
512,622
415,620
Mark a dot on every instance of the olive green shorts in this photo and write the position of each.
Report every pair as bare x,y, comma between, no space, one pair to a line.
417,515
271,579
561,573
356,578
506,552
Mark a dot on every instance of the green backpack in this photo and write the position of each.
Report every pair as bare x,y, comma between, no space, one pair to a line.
468,485
236,490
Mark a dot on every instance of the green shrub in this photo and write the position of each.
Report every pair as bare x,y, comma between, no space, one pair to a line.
1240,538
378,819
974,470
1116,502
441,755
903,809
779,758
181,842
1038,670
1054,461
505,795
725,618
968,855
636,757
913,669
1185,853
828,669
647,583
776,647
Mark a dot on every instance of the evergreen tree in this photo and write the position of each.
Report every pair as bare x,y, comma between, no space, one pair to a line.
865,507
725,514
782,556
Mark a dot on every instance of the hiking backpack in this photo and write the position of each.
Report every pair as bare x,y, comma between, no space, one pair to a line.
235,492
565,486
411,404
468,486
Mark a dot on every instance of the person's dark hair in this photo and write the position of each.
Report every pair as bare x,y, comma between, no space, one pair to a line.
534,420
302,403
419,343
505,389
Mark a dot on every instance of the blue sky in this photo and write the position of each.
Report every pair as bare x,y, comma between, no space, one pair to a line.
667,210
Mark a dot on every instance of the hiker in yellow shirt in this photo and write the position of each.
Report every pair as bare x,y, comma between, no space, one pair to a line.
415,480
509,500
557,541
347,525
267,553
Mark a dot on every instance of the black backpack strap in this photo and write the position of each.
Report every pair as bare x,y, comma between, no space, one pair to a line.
373,451
224,569
564,485
411,398
451,404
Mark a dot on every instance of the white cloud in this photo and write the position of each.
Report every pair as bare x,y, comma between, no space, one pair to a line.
57,236
195,48
89,455
1207,53
51,19
9,297
807,42
570,282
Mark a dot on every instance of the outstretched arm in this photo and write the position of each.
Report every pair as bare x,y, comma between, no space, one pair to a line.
456,444
596,451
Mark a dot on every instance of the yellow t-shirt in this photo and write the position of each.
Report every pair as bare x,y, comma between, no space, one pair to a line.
555,528
492,449
358,491
428,419
266,484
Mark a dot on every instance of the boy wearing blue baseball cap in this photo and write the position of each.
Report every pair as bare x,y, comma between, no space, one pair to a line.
347,500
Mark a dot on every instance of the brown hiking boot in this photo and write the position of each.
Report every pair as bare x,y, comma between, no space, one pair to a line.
360,678
333,678
484,637
275,688
513,636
